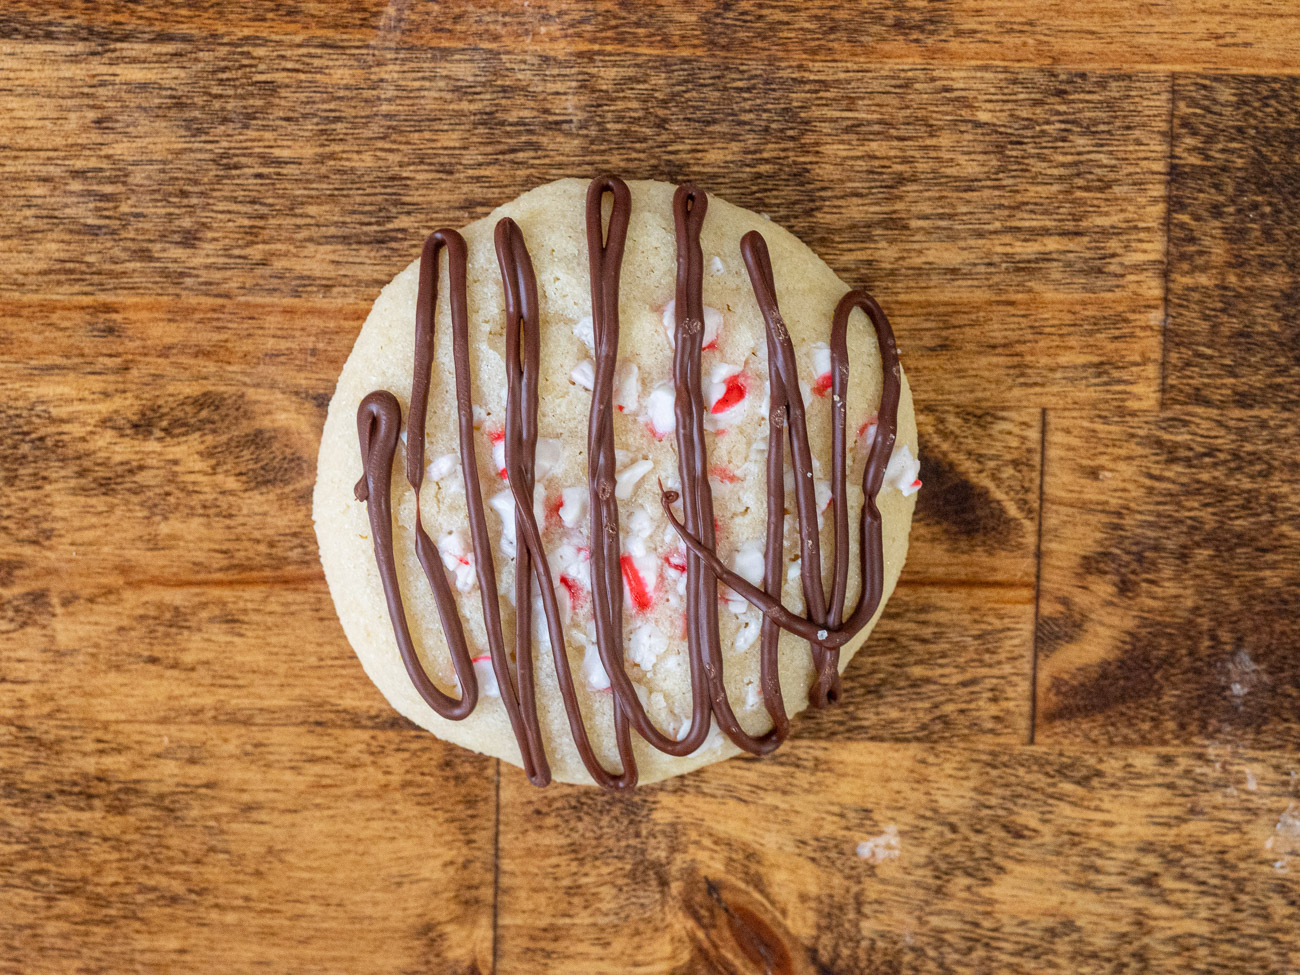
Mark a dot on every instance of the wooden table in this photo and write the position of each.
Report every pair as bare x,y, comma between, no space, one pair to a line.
1081,714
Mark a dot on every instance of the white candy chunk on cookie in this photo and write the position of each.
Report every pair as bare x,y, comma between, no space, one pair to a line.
573,506
459,560
584,329
503,503
726,396
625,481
549,454
639,523
486,676
903,472
659,414
821,364
748,564
645,645
498,438
593,670
584,374
440,467
627,387
712,324
748,633
716,265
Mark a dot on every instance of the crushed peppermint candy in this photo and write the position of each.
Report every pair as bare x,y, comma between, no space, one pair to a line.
902,472
645,645
440,467
625,481
573,506
458,557
584,374
548,456
640,574
498,439
584,329
712,324
821,362
727,389
593,670
659,414
627,388
716,265
486,676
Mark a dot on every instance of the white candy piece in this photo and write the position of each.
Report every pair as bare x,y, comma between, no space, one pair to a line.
748,564
549,454
585,331
659,410
645,645
584,374
716,390
716,265
573,563
480,417
486,676
627,387
903,471
821,363
646,567
593,670
499,455
625,481
712,324
440,467
459,560
573,506
639,523
746,636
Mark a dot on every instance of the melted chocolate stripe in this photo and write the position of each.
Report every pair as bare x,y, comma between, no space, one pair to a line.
785,397
378,418
690,205
605,257
520,287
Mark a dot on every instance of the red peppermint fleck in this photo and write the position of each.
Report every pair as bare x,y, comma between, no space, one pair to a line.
553,509
867,424
636,587
496,436
916,483
574,588
723,473
481,657
676,560
733,394
823,384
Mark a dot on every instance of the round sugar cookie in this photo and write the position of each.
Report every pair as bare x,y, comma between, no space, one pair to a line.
622,361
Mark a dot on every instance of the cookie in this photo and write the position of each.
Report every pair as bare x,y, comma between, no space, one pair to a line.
615,481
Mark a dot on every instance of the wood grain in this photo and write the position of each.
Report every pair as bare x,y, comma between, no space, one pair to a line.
1009,860
1010,207
1249,35
1089,255
1234,244
177,847
1168,596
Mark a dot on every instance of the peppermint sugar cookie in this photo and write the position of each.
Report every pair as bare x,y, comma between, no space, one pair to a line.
615,481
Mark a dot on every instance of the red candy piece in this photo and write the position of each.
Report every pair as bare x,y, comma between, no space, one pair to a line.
823,386
723,473
636,587
732,395
574,588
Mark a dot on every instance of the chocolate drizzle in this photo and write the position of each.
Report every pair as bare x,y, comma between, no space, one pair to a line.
825,626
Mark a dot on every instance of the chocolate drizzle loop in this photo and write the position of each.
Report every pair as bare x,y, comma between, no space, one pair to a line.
379,420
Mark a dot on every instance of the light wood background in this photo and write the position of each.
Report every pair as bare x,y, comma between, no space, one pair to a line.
1082,710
